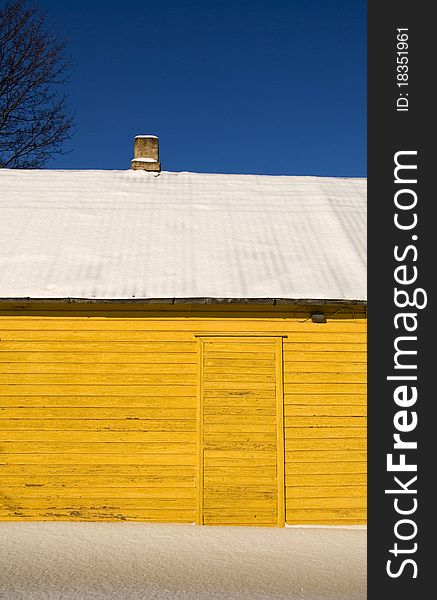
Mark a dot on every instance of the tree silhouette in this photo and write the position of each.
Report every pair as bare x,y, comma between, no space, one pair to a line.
34,119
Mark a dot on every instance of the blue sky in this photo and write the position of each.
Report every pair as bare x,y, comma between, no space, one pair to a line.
274,86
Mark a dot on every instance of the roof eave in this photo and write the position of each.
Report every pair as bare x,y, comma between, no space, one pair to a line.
197,300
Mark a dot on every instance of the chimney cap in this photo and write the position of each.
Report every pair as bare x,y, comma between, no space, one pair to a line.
146,153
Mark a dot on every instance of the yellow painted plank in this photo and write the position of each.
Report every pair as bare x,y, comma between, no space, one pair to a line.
292,378
322,456
97,504
328,388
99,369
244,385
313,410
96,379
90,493
249,491
196,324
312,432
240,376
142,459
292,349
105,390
108,346
258,462
296,356
242,354
44,481
308,444
305,515
323,367
257,523
230,419
230,368
84,336
324,480
207,320
326,336
152,402
139,313
243,517
146,515
246,443
307,468
234,426
248,365
102,436
321,421
240,436
334,521
29,370
250,472
42,446
166,356
247,410
142,414
217,349
322,399
131,517
236,479
107,470
239,503
238,401
345,502
344,491
96,425
237,338
239,393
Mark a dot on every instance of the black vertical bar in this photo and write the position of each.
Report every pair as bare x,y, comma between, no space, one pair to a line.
400,119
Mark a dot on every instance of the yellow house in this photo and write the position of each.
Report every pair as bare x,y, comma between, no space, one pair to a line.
182,347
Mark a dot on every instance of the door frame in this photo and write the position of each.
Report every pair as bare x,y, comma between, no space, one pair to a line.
280,434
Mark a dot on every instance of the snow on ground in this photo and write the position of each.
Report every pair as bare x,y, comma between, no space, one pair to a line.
133,561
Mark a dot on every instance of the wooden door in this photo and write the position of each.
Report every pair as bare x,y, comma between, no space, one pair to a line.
240,421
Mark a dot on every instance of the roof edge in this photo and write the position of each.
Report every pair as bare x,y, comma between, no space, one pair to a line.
185,172
196,300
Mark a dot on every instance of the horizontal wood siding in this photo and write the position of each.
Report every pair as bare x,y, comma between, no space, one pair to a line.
98,410
325,424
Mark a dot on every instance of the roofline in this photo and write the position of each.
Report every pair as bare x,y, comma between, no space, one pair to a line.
197,300
129,170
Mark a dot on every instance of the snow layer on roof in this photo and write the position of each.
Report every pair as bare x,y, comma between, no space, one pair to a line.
133,234
142,159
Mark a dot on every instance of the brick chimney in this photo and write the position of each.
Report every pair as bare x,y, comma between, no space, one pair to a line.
146,153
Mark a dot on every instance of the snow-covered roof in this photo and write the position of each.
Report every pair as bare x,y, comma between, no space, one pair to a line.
142,235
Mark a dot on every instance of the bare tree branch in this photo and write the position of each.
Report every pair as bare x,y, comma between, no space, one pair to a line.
34,118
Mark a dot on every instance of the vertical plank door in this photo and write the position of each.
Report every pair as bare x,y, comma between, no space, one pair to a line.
240,421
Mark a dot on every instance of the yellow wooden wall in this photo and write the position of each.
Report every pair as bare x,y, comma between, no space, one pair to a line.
98,409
